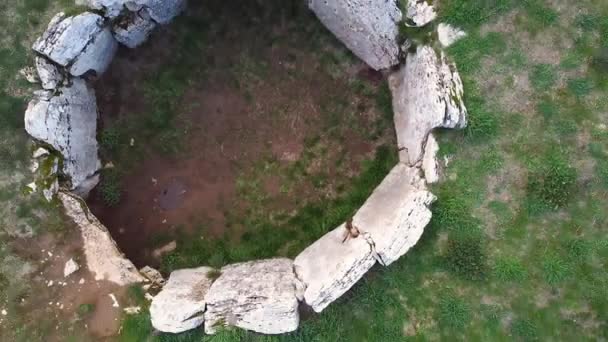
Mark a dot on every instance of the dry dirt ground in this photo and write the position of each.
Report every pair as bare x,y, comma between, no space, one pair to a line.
258,104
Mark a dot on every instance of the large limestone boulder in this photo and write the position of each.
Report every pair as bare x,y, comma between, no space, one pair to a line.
396,213
259,295
82,42
68,122
103,258
332,265
427,93
161,11
368,28
180,306
134,29
419,13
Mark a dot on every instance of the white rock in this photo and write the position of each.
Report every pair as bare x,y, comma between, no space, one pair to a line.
132,310
4,313
34,165
51,190
81,281
32,186
331,266
430,164
427,93
68,122
448,35
168,248
66,38
181,303
161,11
153,275
368,28
50,75
394,217
29,74
40,152
257,295
102,256
70,267
114,301
134,29
97,56
419,13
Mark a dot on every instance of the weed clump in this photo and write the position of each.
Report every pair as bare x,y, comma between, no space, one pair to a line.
465,255
509,270
454,312
524,329
551,185
110,188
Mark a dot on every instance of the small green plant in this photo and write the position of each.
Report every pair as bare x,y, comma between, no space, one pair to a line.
465,255
85,309
543,76
454,312
551,185
109,139
580,87
509,269
555,269
110,188
578,249
524,329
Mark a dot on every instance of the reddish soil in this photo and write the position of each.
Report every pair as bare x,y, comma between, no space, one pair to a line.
228,130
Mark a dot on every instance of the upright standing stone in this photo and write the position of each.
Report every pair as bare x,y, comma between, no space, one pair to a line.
427,93
68,122
180,306
331,266
259,295
367,27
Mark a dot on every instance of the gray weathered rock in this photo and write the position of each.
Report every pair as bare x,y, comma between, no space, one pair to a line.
68,122
111,8
82,40
102,256
448,35
161,11
97,56
29,74
331,266
180,306
430,164
153,275
258,296
427,93
50,75
393,218
134,29
419,13
368,28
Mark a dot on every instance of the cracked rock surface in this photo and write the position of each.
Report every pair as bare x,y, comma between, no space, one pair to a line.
81,40
368,28
111,8
331,266
49,73
161,11
103,258
393,218
68,122
259,295
427,93
135,29
181,303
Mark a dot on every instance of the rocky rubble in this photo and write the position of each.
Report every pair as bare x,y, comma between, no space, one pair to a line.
419,13
368,28
427,94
